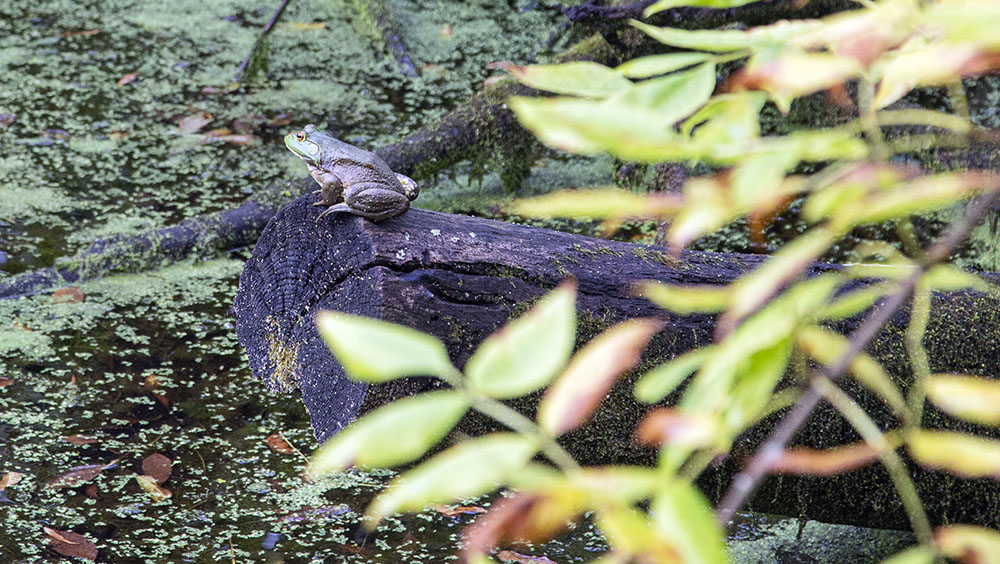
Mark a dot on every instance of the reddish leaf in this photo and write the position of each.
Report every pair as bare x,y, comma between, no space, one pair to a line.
511,556
162,399
5,381
824,462
71,544
68,294
577,393
453,510
676,427
91,491
9,479
7,119
194,122
84,33
128,78
968,544
155,491
522,518
78,475
81,440
279,444
157,466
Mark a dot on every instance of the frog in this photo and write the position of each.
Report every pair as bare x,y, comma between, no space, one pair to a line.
351,179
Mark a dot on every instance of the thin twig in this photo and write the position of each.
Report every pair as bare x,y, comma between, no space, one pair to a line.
747,481
253,49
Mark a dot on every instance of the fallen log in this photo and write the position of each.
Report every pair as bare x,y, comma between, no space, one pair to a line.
460,278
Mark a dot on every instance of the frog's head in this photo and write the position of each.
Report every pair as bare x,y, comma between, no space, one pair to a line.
308,144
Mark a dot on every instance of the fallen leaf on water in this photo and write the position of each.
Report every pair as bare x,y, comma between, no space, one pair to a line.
127,78
278,444
68,294
78,475
58,134
194,122
9,479
445,31
511,556
71,544
80,440
162,399
91,491
155,491
83,33
158,467
302,26
239,139
311,514
451,511
280,120
5,381
7,119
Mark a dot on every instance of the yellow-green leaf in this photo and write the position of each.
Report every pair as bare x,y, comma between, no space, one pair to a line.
685,300
670,98
578,78
683,515
393,434
660,381
526,354
597,204
959,453
970,398
653,65
377,351
661,5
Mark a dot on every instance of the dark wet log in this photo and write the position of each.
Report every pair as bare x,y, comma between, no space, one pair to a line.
460,278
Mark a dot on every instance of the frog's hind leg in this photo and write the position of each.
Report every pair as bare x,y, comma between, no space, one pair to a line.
376,204
334,208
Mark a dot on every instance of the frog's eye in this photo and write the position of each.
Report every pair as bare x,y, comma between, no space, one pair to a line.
300,136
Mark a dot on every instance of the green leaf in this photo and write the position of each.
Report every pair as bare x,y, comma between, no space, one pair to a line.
755,384
583,126
727,40
854,302
574,397
961,454
526,354
466,470
377,351
653,65
925,193
657,383
577,78
683,515
685,300
968,543
628,532
947,278
970,398
396,433
670,98
668,4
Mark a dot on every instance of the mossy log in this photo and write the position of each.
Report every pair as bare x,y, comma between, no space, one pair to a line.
460,278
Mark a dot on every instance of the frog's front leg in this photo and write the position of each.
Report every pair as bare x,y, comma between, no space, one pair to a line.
331,188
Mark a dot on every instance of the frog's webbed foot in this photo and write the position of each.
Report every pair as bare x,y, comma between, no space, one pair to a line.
334,208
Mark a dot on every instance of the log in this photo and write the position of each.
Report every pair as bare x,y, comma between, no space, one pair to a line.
460,278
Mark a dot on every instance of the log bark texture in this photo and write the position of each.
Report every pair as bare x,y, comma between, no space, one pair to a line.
461,277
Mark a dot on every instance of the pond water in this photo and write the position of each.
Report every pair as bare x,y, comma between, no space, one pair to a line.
117,118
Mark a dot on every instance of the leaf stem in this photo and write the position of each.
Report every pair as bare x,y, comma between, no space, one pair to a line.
514,420
914,341
872,435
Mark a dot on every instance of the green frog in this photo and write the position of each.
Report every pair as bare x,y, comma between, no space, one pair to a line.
351,179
